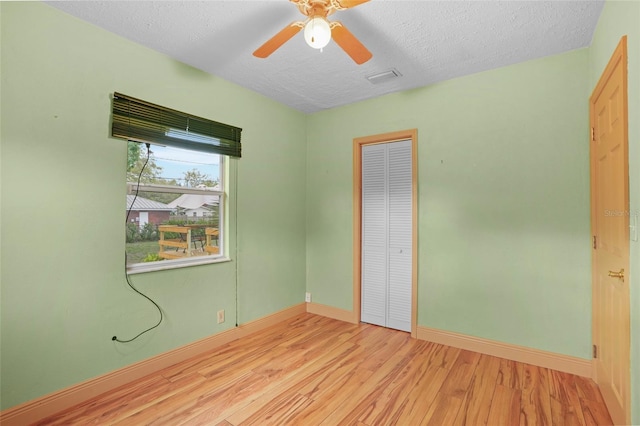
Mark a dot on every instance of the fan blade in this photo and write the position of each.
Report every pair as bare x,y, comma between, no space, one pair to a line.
349,43
346,4
278,40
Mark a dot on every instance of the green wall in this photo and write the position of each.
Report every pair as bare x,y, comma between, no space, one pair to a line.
63,180
620,18
503,221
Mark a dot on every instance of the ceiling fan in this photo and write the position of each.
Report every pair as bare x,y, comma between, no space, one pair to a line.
318,30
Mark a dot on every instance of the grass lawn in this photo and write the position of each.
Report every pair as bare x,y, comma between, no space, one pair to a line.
138,251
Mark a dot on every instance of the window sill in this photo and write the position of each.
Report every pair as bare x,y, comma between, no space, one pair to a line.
140,268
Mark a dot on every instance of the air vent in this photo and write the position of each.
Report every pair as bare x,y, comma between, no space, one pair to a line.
384,76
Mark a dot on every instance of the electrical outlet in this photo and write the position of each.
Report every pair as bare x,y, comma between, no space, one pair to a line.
307,297
220,316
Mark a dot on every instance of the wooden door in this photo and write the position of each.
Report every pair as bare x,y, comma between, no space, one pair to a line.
610,226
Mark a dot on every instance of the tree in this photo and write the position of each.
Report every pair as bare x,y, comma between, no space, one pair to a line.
136,159
194,177
133,154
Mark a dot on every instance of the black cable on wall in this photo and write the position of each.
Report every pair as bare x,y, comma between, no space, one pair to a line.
115,338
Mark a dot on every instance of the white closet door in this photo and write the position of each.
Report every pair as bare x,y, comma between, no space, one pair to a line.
387,234
400,235
374,235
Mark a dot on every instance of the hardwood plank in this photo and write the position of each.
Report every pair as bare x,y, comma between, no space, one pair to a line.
253,346
565,401
457,383
381,343
505,407
595,413
477,402
587,389
421,396
444,356
327,379
214,398
349,387
387,407
311,370
351,404
281,410
296,383
535,407
123,396
284,377
510,374
149,397
443,411
593,407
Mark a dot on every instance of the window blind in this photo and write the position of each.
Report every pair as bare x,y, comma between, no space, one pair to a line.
141,121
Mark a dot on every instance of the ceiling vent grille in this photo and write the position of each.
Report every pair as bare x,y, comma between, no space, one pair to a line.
384,76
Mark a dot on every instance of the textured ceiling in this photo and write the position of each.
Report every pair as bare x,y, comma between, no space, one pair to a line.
426,41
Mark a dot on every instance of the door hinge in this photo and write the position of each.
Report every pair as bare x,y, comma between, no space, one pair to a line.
593,134
595,244
595,351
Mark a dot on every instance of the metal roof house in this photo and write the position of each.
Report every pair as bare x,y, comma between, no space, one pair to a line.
145,211
196,205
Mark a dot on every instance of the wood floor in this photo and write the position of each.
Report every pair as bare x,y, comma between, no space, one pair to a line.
313,370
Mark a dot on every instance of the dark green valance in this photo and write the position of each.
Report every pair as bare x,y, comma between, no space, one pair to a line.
141,121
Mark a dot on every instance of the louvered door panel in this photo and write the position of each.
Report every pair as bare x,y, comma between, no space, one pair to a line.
387,235
374,235
400,235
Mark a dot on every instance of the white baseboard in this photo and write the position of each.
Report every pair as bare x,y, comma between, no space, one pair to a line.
37,409
331,312
565,363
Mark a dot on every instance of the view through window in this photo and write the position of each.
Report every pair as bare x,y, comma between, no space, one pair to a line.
176,210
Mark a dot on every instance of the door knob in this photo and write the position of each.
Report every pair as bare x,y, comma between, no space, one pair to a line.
617,274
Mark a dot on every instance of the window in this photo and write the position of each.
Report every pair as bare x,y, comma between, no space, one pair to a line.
176,187
176,211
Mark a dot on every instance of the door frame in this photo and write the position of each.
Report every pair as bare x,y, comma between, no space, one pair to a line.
619,55
358,143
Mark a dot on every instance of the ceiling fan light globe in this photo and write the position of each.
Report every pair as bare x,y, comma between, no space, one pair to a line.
317,33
